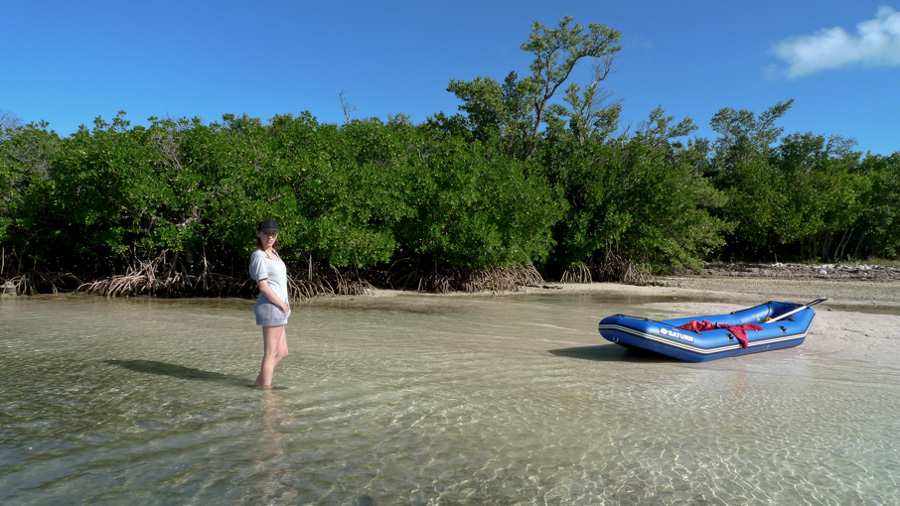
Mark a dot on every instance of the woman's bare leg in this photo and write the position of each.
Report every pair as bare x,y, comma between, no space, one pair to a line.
274,350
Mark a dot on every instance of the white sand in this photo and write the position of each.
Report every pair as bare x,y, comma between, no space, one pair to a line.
859,321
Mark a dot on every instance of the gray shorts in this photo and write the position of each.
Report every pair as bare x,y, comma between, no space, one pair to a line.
268,314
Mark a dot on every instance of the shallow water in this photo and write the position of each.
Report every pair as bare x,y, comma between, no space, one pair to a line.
423,401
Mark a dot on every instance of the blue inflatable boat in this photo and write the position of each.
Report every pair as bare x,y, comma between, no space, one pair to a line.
769,326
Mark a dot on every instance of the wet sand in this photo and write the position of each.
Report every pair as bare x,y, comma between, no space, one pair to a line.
860,320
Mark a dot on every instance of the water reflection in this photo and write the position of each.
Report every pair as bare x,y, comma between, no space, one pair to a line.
421,400
270,478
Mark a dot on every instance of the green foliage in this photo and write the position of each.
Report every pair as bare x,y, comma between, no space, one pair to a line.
651,208
354,196
556,52
824,194
477,211
744,135
879,222
799,199
26,154
516,110
334,191
495,110
757,196
659,134
121,193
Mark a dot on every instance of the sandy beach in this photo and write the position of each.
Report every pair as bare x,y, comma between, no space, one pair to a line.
860,320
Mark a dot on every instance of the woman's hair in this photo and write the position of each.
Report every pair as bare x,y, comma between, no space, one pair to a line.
259,244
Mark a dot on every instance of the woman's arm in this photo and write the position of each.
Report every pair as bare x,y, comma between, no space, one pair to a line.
270,294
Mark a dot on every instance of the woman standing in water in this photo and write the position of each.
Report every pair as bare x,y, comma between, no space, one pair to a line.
272,308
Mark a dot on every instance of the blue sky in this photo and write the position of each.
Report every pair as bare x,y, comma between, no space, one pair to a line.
68,62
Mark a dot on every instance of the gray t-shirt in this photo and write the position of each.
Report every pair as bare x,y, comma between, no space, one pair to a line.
272,269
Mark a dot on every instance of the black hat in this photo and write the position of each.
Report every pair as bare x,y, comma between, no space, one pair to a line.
267,225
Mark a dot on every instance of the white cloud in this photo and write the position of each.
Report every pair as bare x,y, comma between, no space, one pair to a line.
875,44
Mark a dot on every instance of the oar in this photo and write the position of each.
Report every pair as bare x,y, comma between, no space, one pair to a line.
789,313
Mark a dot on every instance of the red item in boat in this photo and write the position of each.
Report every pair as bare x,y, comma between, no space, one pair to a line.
739,331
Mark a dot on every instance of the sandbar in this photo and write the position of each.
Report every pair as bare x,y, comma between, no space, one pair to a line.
859,321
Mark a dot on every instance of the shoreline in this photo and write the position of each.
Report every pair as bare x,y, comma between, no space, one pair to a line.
859,321
846,292
741,290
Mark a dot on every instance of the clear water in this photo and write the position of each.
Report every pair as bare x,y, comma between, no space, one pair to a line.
422,401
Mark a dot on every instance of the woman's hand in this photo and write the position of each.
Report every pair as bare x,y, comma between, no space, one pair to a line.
273,297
